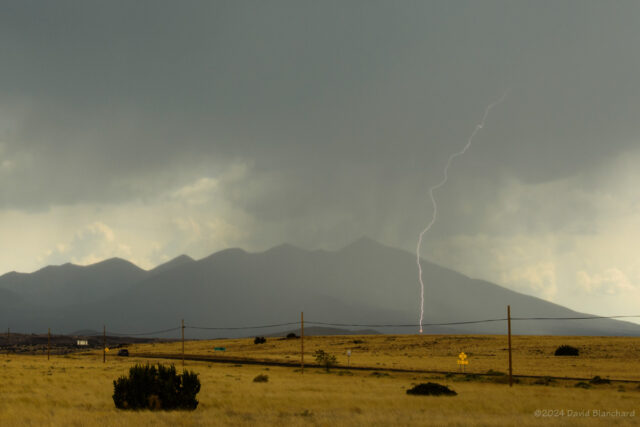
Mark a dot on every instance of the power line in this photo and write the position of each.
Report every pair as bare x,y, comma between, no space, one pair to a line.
143,333
573,318
412,325
368,325
468,322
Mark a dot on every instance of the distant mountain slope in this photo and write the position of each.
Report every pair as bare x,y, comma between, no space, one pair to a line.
9,299
176,262
361,284
60,286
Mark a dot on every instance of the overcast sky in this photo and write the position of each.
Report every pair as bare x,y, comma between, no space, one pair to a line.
146,130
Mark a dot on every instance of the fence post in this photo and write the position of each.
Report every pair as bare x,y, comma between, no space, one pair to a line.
104,343
183,343
302,341
509,329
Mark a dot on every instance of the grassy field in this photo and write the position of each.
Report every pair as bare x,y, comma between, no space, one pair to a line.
611,357
75,390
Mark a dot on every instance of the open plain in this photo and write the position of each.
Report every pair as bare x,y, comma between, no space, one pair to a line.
75,389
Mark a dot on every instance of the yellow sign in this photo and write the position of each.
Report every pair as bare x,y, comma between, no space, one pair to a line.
106,349
462,359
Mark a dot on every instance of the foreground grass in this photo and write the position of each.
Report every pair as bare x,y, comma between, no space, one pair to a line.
76,391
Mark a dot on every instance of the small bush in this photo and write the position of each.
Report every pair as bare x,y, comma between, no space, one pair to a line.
497,373
156,387
259,340
291,335
582,384
261,378
598,380
466,377
504,379
325,359
543,381
566,350
431,389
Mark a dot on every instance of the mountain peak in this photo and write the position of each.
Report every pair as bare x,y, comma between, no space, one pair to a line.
109,263
175,262
285,248
113,260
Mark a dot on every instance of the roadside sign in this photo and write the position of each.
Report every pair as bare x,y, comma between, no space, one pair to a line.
462,360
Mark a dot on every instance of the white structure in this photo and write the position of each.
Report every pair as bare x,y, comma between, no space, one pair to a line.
82,343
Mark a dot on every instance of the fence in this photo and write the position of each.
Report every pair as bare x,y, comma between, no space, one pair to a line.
302,322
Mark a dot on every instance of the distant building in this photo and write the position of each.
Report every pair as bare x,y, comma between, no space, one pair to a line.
82,343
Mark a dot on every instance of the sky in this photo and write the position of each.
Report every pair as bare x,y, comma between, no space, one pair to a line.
149,129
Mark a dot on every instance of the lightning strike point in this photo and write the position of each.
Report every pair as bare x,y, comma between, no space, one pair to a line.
433,199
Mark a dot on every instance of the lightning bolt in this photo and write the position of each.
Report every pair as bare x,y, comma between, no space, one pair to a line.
433,199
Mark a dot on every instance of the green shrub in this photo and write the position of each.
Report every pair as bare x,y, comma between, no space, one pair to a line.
325,359
259,340
156,387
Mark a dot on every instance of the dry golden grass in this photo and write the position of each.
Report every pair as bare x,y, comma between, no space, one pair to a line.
76,390
612,357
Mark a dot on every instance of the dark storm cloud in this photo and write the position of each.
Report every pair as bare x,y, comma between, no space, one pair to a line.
345,111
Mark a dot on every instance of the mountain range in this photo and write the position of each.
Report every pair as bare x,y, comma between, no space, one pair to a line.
364,285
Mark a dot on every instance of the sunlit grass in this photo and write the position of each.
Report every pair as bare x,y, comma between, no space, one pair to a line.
614,357
76,390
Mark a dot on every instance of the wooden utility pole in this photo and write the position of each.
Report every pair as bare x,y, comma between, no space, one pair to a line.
183,343
104,343
49,344
509,329
8,340
302,341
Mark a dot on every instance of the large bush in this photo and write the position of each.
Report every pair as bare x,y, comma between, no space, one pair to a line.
156,387
567,350
431,389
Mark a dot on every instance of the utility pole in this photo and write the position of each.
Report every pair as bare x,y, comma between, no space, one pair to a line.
104,343
8,340
509,329
302,341
182,343
49,344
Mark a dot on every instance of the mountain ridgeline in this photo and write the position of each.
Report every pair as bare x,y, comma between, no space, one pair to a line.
363,284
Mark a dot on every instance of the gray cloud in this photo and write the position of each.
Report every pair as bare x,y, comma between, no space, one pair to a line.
341,115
